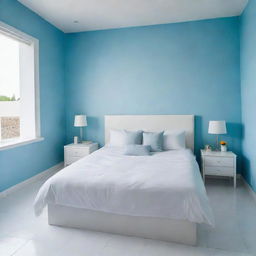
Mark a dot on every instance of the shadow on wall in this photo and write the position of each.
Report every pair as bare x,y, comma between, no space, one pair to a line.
235,130
233,138
246,169
199,143
234,135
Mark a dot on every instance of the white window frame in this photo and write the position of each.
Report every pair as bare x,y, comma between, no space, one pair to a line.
25,38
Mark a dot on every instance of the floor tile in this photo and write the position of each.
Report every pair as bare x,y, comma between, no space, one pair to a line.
22,233
226,241
121,245
9,245
37,248
85,243
216,252
156,248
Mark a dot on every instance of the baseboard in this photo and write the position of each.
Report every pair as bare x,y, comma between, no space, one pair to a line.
249,189
33,179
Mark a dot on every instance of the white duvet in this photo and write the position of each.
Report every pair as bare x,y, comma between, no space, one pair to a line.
166,184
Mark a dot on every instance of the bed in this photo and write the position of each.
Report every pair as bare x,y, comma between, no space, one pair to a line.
161,196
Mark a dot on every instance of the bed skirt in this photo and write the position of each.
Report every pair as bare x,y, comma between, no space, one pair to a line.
169,230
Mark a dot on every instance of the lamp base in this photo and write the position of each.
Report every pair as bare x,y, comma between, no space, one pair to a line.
81,135
217,143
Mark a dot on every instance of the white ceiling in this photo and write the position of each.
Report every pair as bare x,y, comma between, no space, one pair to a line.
84,15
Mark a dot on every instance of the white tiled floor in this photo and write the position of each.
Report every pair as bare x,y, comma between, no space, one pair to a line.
22,234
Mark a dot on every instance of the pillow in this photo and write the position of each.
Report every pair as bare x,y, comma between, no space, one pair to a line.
137,150
117,138
154,140
174,140
120,138
133,137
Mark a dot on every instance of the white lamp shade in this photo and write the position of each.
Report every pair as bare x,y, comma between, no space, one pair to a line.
217,127
80,121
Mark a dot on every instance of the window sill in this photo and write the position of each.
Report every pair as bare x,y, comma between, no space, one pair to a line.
18,143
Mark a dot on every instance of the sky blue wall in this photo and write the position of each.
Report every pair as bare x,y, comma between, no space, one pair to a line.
248,90
23,162
184,68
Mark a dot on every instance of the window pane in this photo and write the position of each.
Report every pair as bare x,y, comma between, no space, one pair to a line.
9,88
19,108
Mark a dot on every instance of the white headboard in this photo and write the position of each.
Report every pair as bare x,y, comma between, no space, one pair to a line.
152,123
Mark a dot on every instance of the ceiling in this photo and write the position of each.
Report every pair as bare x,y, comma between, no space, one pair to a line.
85,15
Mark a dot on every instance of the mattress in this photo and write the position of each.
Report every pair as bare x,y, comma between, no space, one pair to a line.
165,185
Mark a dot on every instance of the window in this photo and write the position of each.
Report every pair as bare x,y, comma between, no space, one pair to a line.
19,111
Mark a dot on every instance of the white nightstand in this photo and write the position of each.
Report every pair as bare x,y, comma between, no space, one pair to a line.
219,164
74,152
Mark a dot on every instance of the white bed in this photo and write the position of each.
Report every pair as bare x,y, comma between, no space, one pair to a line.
161,196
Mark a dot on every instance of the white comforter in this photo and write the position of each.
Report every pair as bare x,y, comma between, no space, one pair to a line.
166,184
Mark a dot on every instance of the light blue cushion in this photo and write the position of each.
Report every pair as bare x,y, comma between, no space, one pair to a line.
133,137
154,140
137,150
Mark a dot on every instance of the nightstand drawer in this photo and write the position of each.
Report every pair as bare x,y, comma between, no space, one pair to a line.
74,152
77,152
71,159
219,161
219,171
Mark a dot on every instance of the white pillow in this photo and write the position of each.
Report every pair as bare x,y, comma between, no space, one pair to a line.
174,140
117,138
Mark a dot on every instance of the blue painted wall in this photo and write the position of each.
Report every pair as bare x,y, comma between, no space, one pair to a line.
23,162
248,91
184,68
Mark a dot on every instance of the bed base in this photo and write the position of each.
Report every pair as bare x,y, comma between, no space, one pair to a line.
169,230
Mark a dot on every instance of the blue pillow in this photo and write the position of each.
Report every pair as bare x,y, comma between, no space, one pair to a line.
137,150
133,137
154,139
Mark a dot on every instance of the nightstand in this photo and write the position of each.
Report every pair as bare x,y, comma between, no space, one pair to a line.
74,152
217,163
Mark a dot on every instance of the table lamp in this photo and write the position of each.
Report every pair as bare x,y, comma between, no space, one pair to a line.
217,127
80,121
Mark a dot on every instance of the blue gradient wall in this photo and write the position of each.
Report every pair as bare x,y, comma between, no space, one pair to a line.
23,162
248,91
184,68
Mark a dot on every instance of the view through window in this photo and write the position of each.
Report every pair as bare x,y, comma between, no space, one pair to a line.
9,88
18,91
